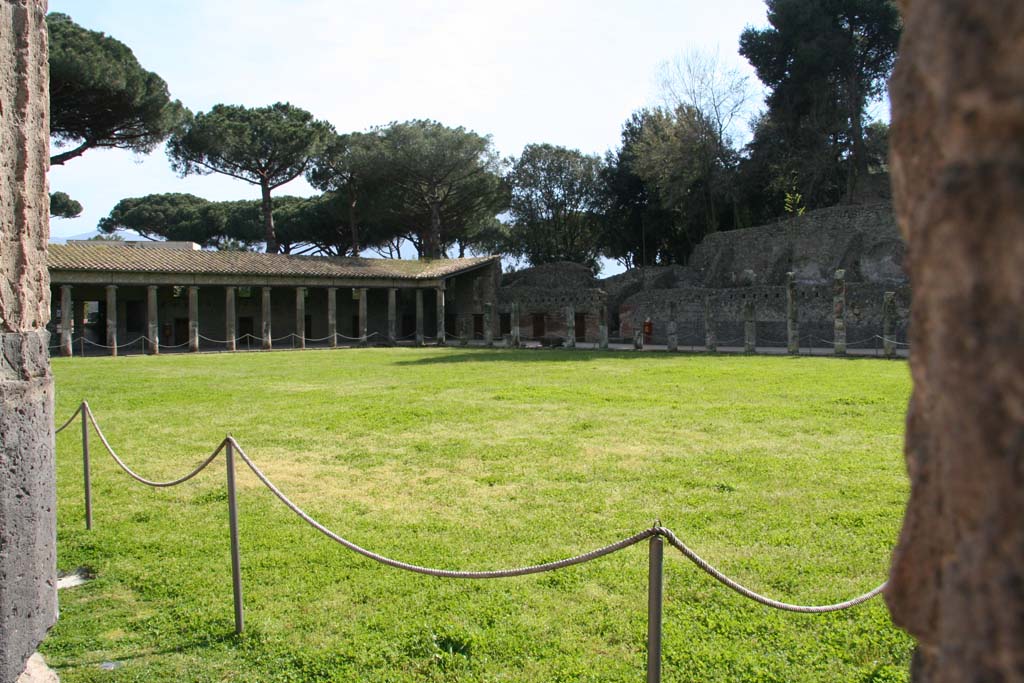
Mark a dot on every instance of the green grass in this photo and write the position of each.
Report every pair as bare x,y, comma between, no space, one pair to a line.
786,473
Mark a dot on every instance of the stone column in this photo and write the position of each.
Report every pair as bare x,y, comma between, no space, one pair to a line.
570,327
957,577
515,326
265,325
152,320
28,504
792,327
193,319
112,318
710,334
362,316
230,318
332,316
672,330
392,316
300,317
749,328
839,311
889,324
66,317
440,316
466,322
419,317
602,329
488,325
638,338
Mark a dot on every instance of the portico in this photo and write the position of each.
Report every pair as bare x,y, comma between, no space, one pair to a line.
153,300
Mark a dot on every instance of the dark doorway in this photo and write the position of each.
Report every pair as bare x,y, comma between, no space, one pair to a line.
581,326
245,326
134,317
308,332
538,325
451,325
504,324
408,324
356,334
180,330
478,326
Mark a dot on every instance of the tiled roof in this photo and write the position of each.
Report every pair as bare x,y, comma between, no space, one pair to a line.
124,259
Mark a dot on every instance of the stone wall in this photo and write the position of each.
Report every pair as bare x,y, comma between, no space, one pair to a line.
28,594
862,240
814,306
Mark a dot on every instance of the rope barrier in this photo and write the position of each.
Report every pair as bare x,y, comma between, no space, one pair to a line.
756,597
64,426
137,477
621,544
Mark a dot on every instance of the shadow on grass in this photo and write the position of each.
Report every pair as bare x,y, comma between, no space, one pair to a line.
563,355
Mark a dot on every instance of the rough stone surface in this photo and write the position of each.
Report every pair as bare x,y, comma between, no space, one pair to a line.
957,578
36,671
28,571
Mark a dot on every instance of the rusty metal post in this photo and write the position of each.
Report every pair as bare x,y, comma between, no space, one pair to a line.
86,470
236,562
654,604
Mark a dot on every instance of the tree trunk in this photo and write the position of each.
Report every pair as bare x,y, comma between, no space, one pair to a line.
353,226
858,163
269,236
434,240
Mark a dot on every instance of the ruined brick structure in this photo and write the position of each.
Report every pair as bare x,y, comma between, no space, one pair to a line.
747,268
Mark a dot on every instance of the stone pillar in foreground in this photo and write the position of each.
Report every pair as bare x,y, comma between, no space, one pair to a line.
112,318
889,324
488,325
839,311
230,318
193,319
265,327
332,316
66,317
957,162
419,317
392,316
28,566
749,328
792,326
440,316
570,327
710,334
152,320
673,327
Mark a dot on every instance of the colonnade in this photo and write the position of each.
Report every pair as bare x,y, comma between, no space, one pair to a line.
68,324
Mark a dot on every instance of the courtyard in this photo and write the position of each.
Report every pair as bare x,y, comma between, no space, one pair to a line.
786,473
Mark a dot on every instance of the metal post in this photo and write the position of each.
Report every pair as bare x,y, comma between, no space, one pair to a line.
86,471
236,563
654,603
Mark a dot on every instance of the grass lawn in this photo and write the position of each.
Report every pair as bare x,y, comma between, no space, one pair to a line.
786,473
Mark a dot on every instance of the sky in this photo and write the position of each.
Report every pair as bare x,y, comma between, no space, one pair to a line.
565,72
